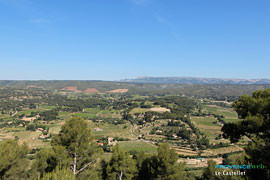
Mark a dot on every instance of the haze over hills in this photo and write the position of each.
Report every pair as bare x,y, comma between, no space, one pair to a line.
139,87
195,80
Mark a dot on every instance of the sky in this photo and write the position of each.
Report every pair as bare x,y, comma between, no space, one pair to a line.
119,39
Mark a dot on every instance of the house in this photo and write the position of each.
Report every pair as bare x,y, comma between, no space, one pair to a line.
98,129
42,136
100,144
158,131
111,142
175,136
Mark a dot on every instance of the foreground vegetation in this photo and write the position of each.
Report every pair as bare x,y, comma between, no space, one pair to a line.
73,148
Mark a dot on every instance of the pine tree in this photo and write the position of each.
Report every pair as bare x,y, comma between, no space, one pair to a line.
168,167
121,165
76,138
164,165
13,160
59,174
47,159
255,124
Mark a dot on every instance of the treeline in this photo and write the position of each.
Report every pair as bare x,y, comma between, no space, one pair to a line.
181,105
77,104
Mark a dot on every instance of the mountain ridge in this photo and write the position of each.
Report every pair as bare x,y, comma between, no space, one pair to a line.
195,80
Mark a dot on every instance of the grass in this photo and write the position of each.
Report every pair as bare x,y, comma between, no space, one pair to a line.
31,138
228,120
27,112
94,112
224,150
4,115
197,172
91,110
204,121
14,129
137,146
149,103
205,124
47,107
186,152
227,112
42,108
64,113
139,110
235,157
86,115
109,114
111,130
137,96
56,127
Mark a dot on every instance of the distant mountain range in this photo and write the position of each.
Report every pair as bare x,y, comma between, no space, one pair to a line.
195,80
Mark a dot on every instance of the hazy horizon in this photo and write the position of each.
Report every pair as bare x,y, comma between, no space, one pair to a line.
139,77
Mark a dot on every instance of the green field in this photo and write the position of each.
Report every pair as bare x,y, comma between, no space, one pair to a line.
227,112
4,115
139,110
14,129
224,150
205,124
31,138
197,172
47,107
42,108
137,146
55,126
27,112
64,115
111,130
86,115
209,121
230,120
91,110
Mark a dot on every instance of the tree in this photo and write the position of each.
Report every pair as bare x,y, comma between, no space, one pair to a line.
59,174
46,160
31,127
139,157
13,161
163,166
32,106
76,138
168,167
255,124
121,165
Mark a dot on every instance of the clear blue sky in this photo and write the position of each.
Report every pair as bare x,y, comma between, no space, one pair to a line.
117,39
